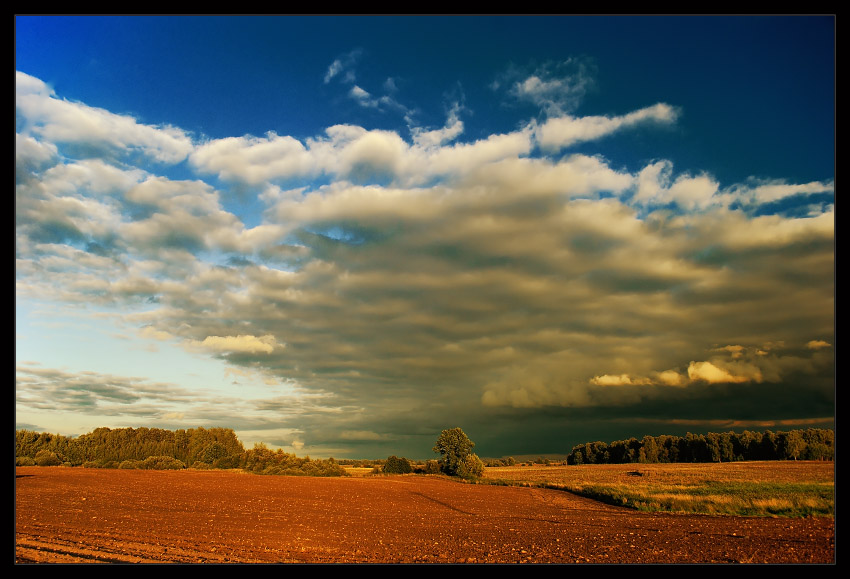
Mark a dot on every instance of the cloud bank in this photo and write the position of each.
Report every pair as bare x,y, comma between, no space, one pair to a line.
399,281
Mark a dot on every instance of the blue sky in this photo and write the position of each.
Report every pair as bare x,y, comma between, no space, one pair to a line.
340,235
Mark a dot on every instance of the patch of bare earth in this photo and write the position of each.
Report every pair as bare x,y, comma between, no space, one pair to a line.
77,515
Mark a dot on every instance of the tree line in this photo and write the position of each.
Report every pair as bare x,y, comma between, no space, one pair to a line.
806,444
155,448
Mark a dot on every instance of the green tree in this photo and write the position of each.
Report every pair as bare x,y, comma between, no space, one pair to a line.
455,447
213,452
649,450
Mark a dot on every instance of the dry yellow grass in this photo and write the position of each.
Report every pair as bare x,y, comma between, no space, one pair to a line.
789,488
669,474
357,470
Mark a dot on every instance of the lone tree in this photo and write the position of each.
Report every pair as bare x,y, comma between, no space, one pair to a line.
458,459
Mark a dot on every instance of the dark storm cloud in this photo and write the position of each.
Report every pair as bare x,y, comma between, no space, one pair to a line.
491,284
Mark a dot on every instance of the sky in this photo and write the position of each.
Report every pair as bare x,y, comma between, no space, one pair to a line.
339,236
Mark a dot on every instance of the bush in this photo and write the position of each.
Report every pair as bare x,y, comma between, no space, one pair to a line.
496,462
47,458
226,462
472,467
162,463
396,465
430,467
24,461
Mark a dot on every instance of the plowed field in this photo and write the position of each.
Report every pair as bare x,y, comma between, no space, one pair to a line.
77,515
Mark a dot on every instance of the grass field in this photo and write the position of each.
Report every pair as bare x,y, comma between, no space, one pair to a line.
769,488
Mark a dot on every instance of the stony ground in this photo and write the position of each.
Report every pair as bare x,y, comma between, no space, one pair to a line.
76,515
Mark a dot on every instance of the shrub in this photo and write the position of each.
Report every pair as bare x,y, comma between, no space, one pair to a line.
47,458
24,461
396,465
430,467
162,463
226,462
471,467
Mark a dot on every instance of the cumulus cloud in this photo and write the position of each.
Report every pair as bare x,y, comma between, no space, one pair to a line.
63,122
352,152
738,365
32,154
403,273
710,373
253,160
656,185
670,378
239,344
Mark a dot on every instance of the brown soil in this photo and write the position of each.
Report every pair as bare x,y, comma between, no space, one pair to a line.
77,515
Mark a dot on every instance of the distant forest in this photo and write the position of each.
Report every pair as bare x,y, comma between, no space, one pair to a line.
154,448
203,448
808,444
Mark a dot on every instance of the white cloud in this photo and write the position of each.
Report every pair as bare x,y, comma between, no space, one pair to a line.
556,88
344,65
760,191
708,372
254,160
561,132
334,69
656,186
32,154
348,151
438,137
362,97
60,121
